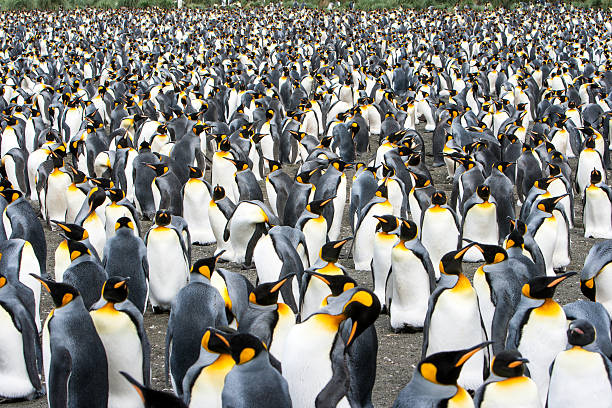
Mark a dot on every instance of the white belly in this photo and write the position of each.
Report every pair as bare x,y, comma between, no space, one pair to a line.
56,204
561,256
381,262
14,380
487,309
284,325
545,237
123,353
315,232
579,379
29,264
168,270
410,290
512,393
97,233
364,236
480,225
217,223
196,214
266,260
597,215
439,235
74,201
339,204
603,283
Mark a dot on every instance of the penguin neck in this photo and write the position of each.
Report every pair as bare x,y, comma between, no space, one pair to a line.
197,277
462,283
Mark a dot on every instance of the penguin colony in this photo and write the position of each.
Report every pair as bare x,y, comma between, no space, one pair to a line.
279,137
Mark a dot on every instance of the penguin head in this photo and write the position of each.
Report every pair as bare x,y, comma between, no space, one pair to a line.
325,142
408,230
519,226
115,289
95,199
163,218
5,184
218,193
492,254
317,206
245,347
266,294
381,191
224,145
337,284
144,147
515,239
589,143
554,170
123,143
508,364
548,204
11,195
580,333
61,293
304,177
57,160
77,249
152,398
216,340
450,264
387,171
124,222
543,287
438,198
502,166
420,181
240,164
445,367
339,164
330,252
273,165
78,177
72,232
102,182
159,168
414,160
387,223
484,192
115,194
354,128
595,176
206,266
195,173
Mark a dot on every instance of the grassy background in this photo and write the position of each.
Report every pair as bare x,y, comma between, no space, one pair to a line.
361,4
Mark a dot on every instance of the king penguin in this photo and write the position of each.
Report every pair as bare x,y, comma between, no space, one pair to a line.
597,209
195,192
121,328
434,382
384,241
453,318
85,273
151,398
74,359
508,386
538,313
168,262
595,277
479,222
314,226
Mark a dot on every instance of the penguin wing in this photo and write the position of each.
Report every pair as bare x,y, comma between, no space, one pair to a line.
599,256
421,252
515,328
337,386
431,304
59,373
135,316
479,395
364,211
226,230
204,360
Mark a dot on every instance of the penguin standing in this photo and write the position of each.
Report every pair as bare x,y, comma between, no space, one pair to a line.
479,222
85,273
365,230
453,318
203,382
578,375
166,189
168,262
314,226
278,184
195,192
125,254
410,281
589,160
253,382
384,241
439,229
508,386
597,210
118,208
121,328
538,313
55,192
20,348
595,277
74,358
434,382
318,337
90,219
220,209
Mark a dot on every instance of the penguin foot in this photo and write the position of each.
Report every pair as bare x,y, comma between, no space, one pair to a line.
407,329
159,310
245,267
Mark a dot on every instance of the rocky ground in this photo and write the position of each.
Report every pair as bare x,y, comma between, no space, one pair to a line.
398,354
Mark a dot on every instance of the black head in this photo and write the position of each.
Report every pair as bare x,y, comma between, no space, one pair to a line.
218,193
450,264
77,249
159,168
72,231
61,293
144,147
11,195
336,283
387,223
387,171
163,218
543,287
362,309
224,145
589,143
438,198
317,206
273,165
408,230
492,253
96,198
266,294
339,164
102,182
508,364
445,367
381,191
195,173
152,398
124,222
595,176
580,333
330,252
420,181
206,266
245,347
515,239
115,194
484,192
216,340
548,204
115,289
240,164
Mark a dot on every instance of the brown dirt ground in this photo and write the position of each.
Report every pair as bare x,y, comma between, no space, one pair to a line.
398,354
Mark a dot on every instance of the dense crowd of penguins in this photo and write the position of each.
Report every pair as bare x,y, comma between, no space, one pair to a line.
185,118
